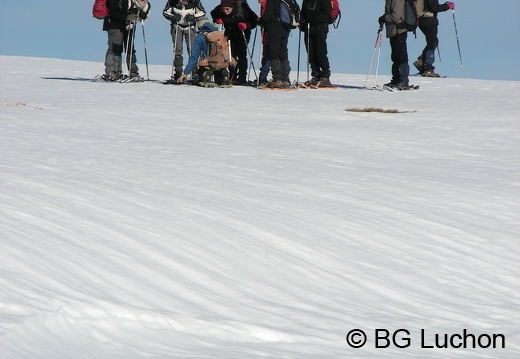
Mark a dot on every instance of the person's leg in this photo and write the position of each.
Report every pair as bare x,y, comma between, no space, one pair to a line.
432,41
177,36
284,61
400,67
321,59
113,65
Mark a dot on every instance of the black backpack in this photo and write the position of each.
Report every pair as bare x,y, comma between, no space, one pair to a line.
411,20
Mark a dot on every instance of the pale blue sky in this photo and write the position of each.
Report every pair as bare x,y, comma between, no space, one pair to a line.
488,35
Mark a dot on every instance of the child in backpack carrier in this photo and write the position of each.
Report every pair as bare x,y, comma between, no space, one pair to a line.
207,67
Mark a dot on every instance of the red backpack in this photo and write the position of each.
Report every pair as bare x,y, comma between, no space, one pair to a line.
335,13
100,10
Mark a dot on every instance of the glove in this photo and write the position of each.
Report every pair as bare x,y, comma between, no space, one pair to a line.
143,15
182,79
219,21
242,26
451,5
189,18
381,20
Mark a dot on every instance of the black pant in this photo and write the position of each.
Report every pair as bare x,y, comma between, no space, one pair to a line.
279,58
400,68
432,41
316,45
239,52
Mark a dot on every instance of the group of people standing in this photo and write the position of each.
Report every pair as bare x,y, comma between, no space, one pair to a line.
189,22
188,19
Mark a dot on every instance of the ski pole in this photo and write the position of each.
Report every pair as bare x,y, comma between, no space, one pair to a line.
145,53
378,55
377,46
174,46
252,53
457,35
191,39
249,53
298,67
260,55
308,49
373,55
439,52
126,45
129,55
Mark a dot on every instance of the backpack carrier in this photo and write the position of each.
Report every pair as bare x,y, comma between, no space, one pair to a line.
219,52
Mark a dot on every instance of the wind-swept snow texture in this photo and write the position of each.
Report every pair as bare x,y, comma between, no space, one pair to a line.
149,221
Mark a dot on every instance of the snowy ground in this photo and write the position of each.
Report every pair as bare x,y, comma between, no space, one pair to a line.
151,221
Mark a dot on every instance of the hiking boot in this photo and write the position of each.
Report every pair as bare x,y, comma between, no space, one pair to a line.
286,84
324,82
396,86
419,64
312,82
222,77
275,84
263,81
195,79
391,83
401,86
207,75
240,82
112,76
226,78
430,73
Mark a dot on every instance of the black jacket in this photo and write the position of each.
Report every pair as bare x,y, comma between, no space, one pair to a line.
271,20
431,8
241,13
190,12
315,15
120,14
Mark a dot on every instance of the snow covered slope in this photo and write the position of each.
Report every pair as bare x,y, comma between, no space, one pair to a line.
149,221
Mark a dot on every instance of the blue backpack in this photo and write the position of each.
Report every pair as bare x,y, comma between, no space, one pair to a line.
289,14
